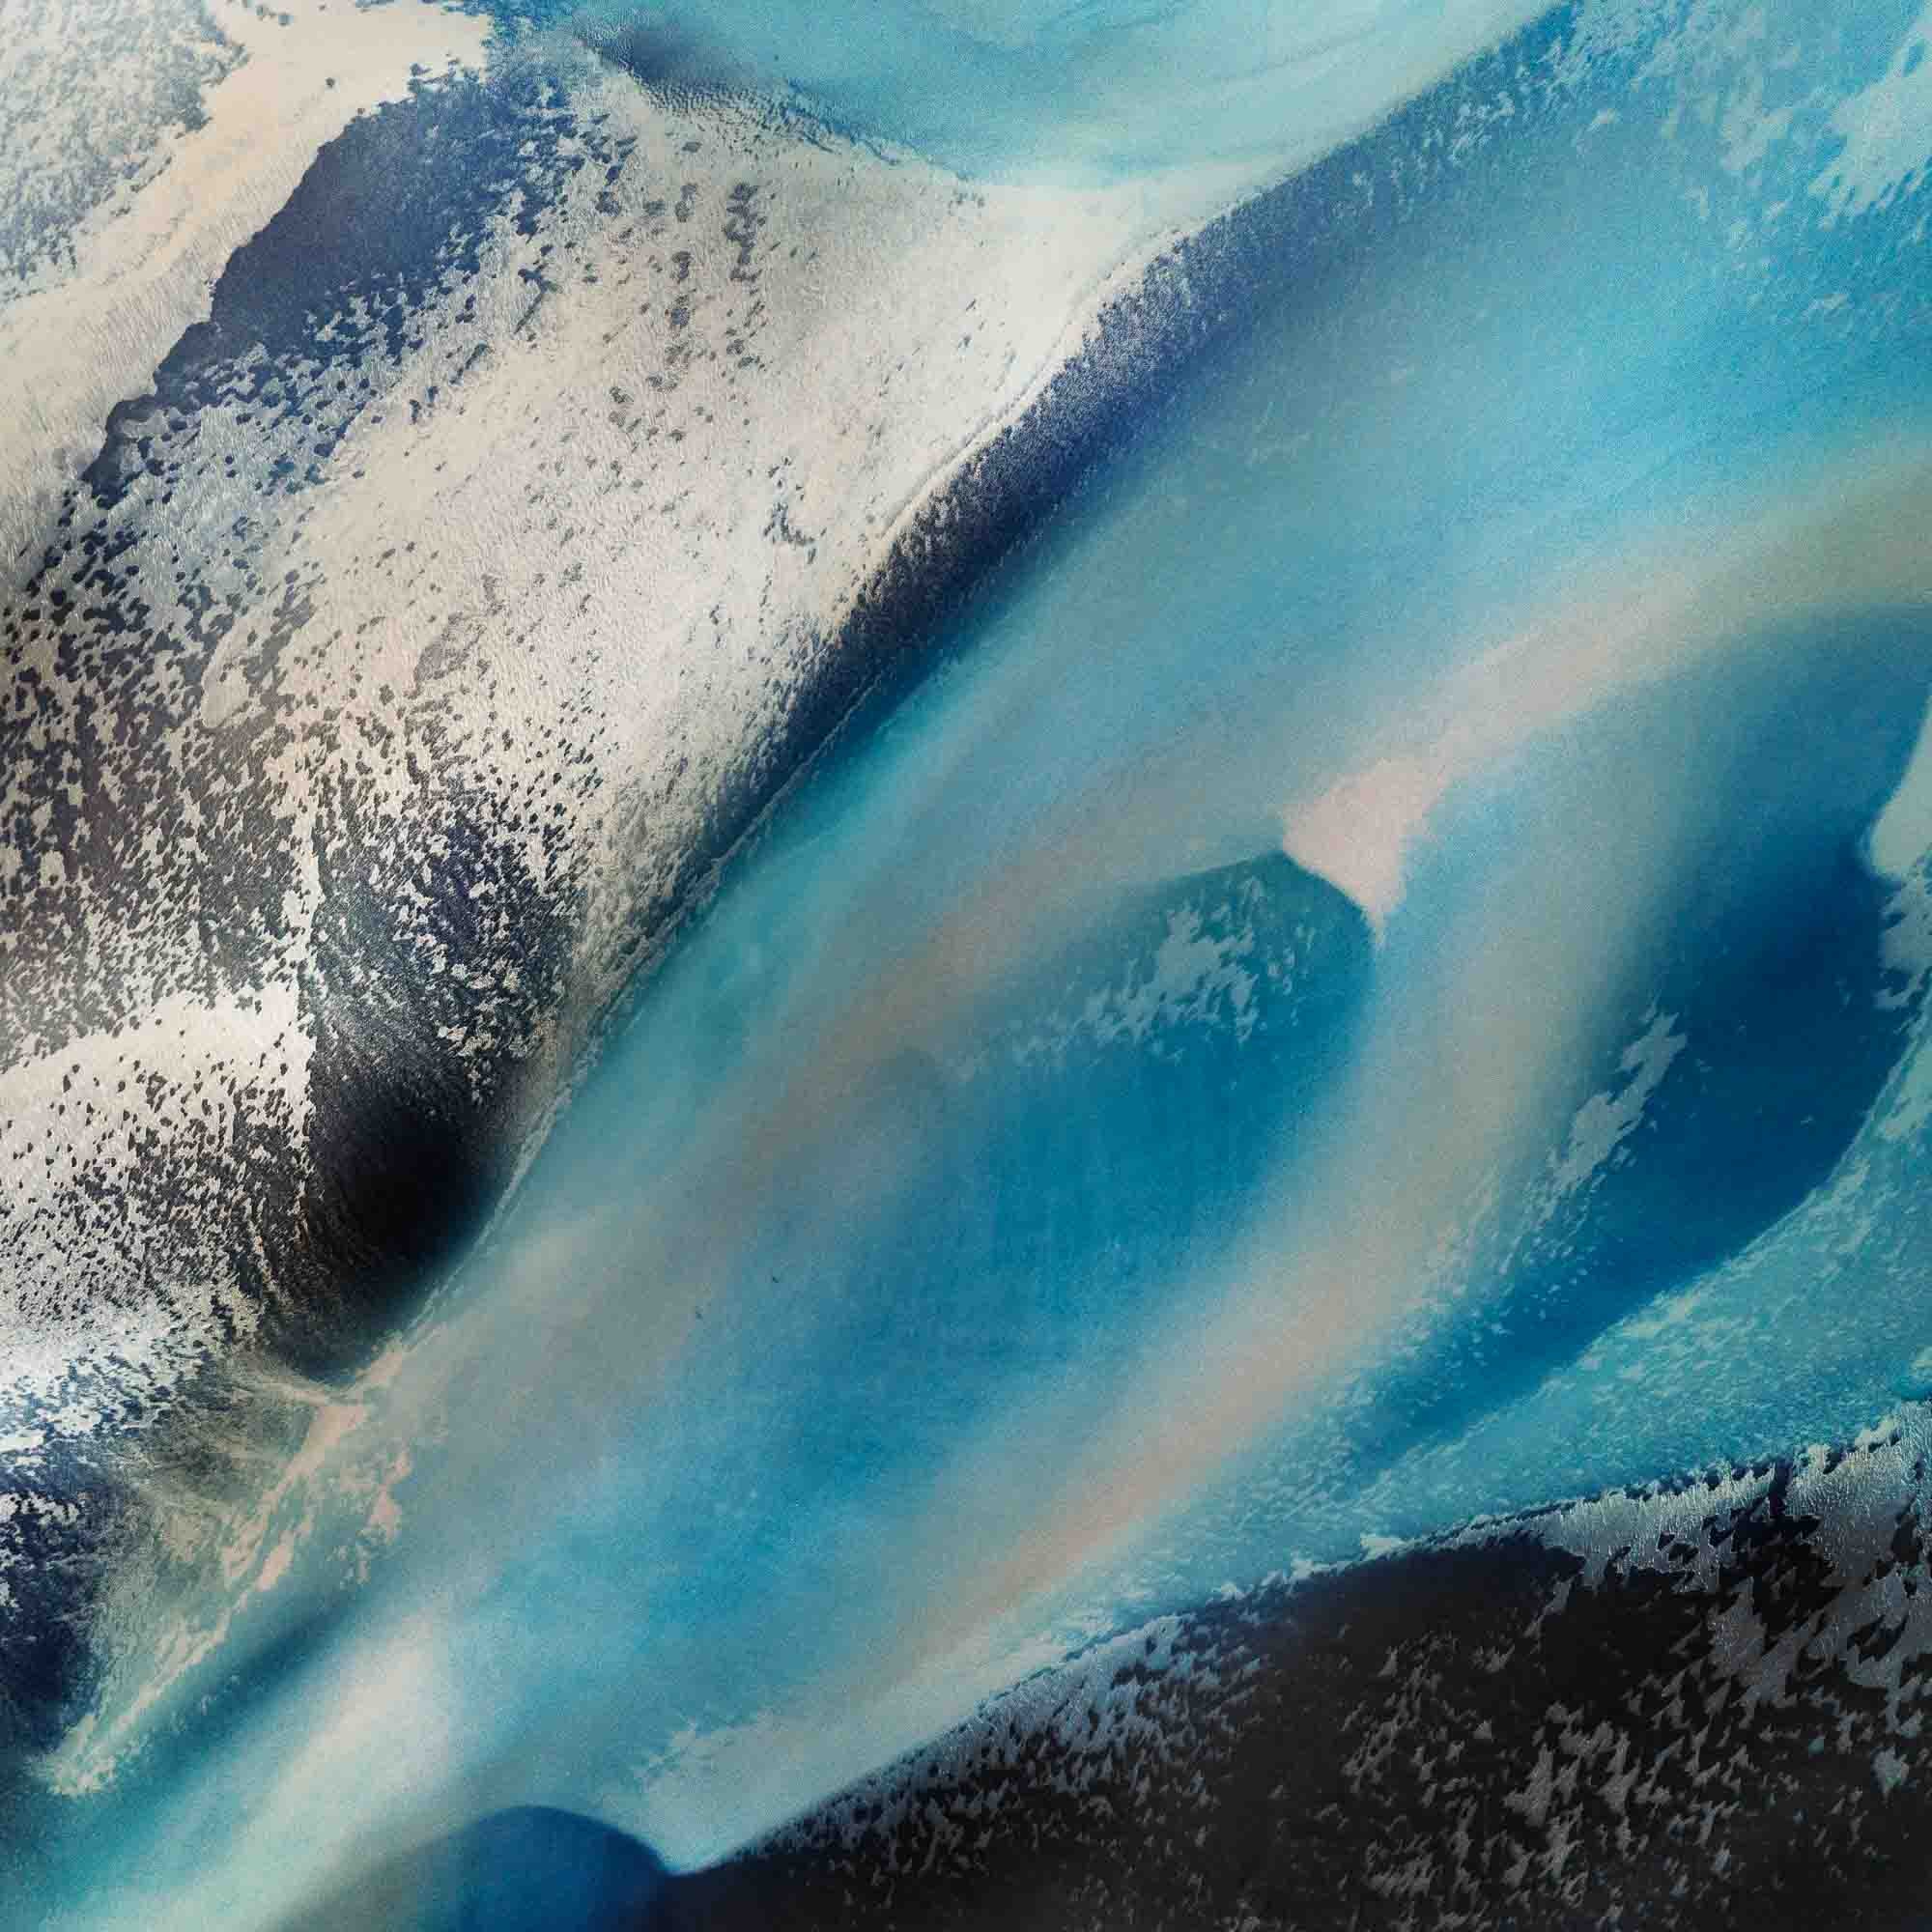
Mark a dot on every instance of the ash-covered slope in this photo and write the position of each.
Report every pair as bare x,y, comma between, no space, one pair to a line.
1690,1707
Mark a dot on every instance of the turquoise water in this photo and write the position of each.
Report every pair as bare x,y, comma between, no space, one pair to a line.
1104,90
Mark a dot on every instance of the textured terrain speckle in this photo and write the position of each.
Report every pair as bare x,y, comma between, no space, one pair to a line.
1671,1708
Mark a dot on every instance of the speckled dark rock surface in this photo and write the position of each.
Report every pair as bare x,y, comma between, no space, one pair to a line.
1699,1708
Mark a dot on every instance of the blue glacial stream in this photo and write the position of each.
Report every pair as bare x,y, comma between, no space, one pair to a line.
1377,977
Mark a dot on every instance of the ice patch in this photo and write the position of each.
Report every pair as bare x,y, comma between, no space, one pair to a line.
1606,1121
139,267
1886,130
1906,1108
1906,941
1194,975
1902,834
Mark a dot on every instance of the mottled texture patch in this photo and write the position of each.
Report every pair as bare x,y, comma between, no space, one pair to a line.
224,865
1694,1707
109,80
160,137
